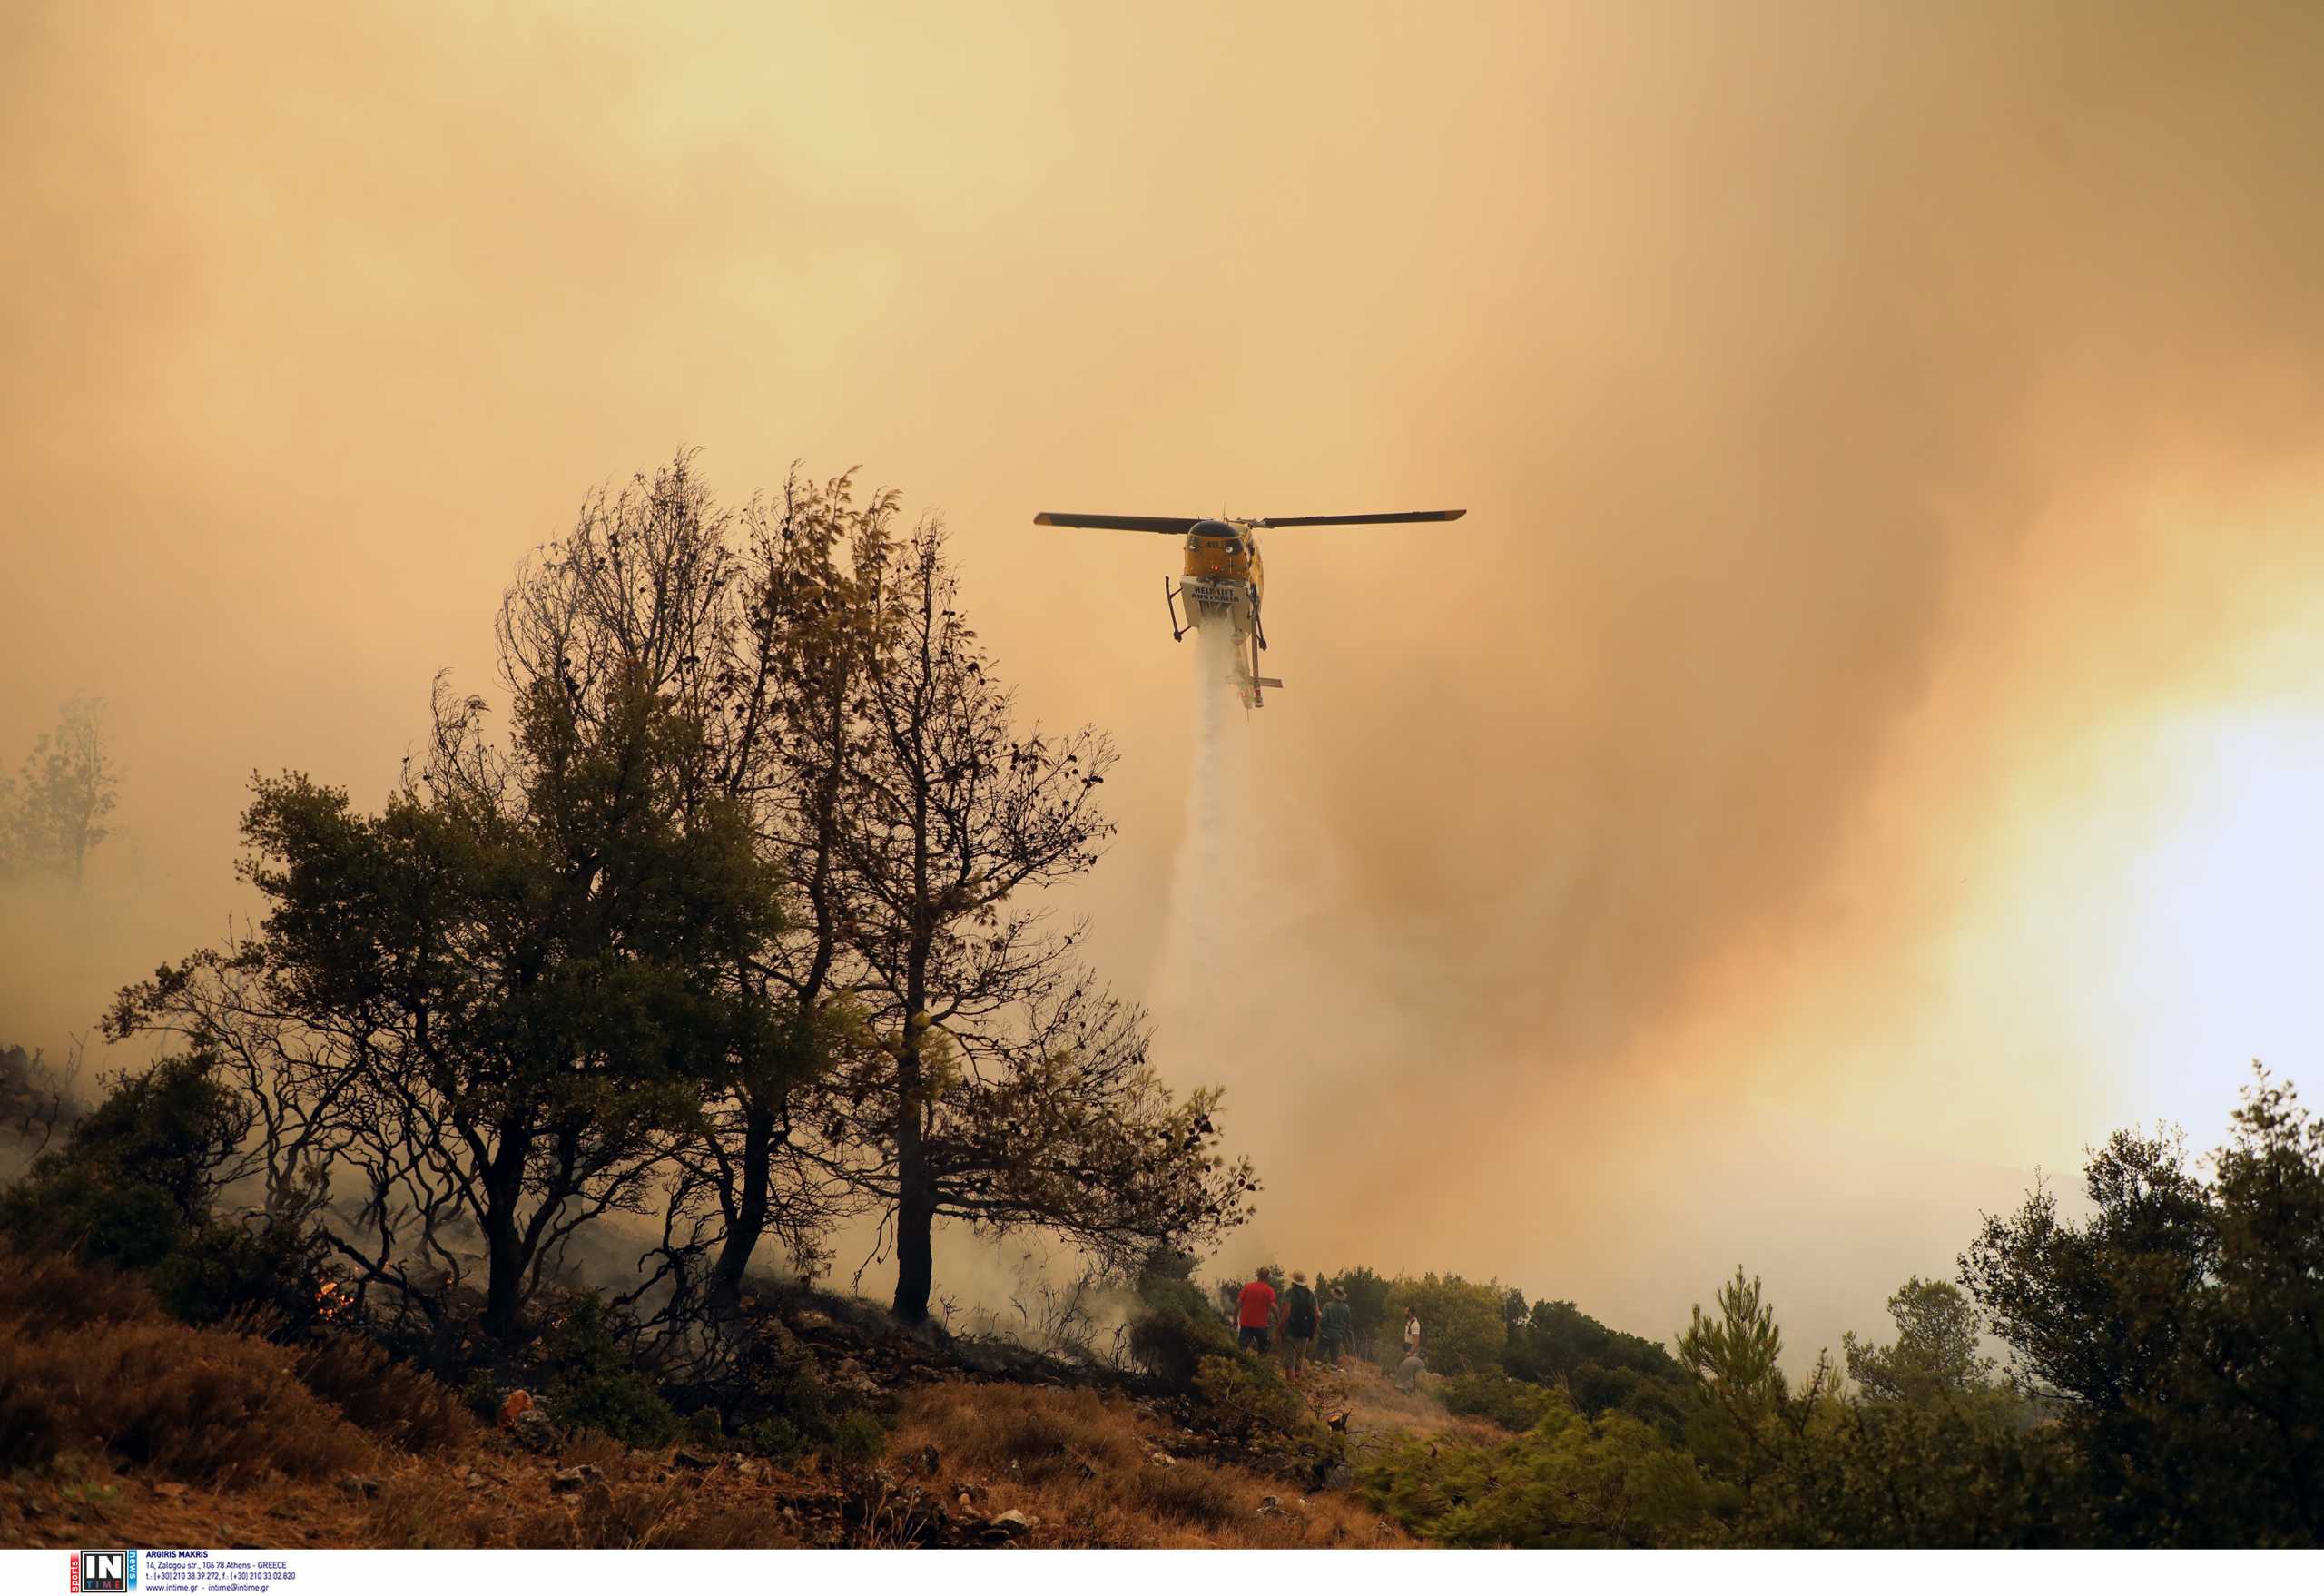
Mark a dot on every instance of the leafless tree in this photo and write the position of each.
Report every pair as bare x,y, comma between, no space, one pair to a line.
37,1099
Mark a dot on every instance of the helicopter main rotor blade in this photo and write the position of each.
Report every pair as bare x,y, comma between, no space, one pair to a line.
1361,520
1120,523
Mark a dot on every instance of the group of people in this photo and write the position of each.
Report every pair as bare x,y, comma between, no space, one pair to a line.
1302,1325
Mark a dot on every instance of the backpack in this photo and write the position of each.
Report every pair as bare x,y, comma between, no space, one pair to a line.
1301,1317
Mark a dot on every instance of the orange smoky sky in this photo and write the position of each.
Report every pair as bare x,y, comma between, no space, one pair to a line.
1866,742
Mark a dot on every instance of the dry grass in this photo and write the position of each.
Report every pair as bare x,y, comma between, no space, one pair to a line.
90,1366
1373,1404
1190,1493
1082,1465
635,1505
1035,1433
391,1401
612,1517
204,1406
115,1419
119,1424
46,1295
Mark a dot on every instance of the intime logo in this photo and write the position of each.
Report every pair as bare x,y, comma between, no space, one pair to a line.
104,1573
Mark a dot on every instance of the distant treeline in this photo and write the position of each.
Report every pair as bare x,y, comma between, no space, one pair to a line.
2164,1386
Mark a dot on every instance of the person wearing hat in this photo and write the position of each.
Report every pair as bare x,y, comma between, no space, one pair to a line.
1337,1324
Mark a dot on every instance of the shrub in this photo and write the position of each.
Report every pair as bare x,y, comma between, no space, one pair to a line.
220,1272
1036,1434
31,1432
482,1395
69,1208
1254,1405
595,1386
133,1186
1463,1325
1566,1483
207,1407
857,1441
1173,1330
784,1399
625,1406
1514,1404
1558,1340
393,1402
136,1173
779,1439
41,1296
1188,1493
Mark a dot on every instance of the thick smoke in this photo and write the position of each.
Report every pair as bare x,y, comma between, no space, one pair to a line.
1875,423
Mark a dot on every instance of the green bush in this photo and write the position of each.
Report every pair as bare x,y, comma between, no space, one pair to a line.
1514,1404
163,1135
133,1186
622,1405
1556,1340
857,1441
481,1394
1246,1401
1957,1469
1462,1324
783,1385
595,1386
1566,1483
779,1439
219,1271
1173,1330
66,1206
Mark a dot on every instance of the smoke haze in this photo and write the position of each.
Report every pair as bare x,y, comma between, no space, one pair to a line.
1865,741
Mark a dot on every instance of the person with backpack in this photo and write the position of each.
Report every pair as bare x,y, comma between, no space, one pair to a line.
1299,1319
1337,1324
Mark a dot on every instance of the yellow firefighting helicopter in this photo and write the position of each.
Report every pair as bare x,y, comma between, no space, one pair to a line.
1223,577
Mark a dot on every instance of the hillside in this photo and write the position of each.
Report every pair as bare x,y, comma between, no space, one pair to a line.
121,1425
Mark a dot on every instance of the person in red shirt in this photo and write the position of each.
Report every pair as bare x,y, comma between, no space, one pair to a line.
1254,1316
